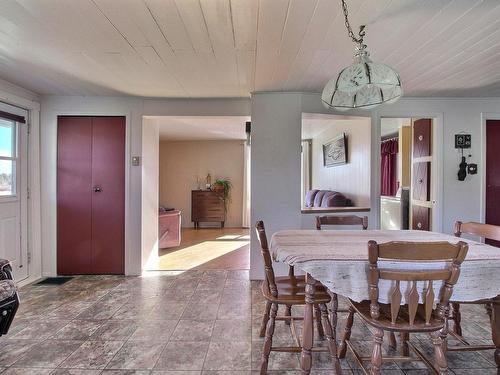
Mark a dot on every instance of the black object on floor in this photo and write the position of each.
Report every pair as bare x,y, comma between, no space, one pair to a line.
54,280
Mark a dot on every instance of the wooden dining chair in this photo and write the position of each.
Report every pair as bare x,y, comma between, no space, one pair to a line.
412,316
289,291
486,231
342,220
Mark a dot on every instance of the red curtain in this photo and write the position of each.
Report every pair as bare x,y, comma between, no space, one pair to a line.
389,173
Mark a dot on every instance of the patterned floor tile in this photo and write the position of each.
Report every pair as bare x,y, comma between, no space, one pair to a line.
47,354
191,323
183,355
93,355
136,355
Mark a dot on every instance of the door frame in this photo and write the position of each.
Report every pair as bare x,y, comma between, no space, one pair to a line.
20,198
32,165
436,169
51,254
485,116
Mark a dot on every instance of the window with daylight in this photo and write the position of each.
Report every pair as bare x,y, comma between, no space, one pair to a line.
8,158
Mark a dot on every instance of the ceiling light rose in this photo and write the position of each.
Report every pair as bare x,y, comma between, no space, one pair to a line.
364,84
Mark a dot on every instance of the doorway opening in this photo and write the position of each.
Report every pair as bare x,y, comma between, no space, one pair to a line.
335,163
407,174
196,193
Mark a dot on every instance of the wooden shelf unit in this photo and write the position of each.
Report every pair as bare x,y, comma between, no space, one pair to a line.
207,206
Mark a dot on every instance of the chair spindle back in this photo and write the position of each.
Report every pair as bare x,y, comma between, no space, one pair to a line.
453,254
266,255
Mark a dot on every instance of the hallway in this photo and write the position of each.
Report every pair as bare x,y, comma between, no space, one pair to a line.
207,249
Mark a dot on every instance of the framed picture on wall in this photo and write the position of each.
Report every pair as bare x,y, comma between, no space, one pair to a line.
335,151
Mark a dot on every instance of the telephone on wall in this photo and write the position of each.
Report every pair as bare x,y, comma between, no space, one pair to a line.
463,141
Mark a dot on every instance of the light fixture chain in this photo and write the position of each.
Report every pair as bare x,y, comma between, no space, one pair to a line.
349,29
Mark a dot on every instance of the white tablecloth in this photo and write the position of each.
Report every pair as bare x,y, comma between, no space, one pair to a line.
339,260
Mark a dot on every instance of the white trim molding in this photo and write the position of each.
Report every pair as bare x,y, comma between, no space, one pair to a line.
24,99
437,164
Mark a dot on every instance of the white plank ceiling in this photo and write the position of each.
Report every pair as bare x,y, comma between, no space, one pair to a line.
201,128
230,48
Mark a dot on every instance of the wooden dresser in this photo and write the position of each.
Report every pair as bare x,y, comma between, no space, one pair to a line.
207,206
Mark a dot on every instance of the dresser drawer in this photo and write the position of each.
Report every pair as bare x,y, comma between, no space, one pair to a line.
208,201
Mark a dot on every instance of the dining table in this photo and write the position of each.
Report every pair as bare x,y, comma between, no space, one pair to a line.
338,259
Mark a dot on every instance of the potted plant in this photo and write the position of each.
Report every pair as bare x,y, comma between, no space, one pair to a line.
222,186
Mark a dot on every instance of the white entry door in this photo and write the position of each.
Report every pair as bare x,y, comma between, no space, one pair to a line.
13,193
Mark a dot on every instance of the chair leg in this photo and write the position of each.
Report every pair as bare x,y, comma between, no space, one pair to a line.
265,319
319,325
378,337
268,342
489,309
347,333
443,333
457,318
495,329
331,338
441,362
334,306
288,312
392,340
405,349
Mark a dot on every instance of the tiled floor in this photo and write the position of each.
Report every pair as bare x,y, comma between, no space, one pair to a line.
198,322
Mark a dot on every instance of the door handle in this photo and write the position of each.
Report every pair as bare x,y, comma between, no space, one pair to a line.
97,189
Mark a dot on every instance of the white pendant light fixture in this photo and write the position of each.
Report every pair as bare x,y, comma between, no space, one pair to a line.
364,84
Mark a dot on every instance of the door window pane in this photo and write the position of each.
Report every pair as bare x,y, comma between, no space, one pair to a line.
7,177
6,138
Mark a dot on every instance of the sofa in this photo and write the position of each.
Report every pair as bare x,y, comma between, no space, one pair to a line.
169,228
326,198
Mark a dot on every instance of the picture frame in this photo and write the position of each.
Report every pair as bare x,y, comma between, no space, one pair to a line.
335,151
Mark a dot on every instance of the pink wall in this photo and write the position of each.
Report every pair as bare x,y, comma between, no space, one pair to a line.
182,161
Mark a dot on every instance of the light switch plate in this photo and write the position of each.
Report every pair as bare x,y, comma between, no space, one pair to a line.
136,161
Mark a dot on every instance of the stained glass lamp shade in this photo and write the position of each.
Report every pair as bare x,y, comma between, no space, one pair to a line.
364,84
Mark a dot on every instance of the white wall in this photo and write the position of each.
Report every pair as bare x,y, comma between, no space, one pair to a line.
276,158
275,168
150,183
276,137
18,96
351,179
276,133
182,161
133,109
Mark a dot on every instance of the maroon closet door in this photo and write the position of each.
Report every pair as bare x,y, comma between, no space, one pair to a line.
108,197
91,195
493,175
74,196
